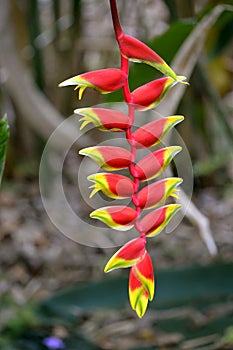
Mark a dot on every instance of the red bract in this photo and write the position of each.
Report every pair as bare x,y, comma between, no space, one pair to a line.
104,80
157,192
154,163
141,285
138,295
108,157
112,185
137,51
152,133
118,217
103,119
124,217
128,255
154,222
149,95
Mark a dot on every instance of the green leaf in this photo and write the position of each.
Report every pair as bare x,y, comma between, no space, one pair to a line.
176,287
221,34
107,294
4,135
167,44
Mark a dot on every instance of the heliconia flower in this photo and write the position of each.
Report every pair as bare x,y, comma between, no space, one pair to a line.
152,133
118,217
128,255
108,157
154,222
103,119
157,192
154,163
137,51
138,295
112,185
133,254
103,80
149,95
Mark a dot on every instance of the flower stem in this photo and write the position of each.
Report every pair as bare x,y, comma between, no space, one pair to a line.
115,19
131,112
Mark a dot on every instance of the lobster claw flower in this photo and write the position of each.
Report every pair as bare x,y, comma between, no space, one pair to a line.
154,222
103,80
156,193
154,163
128,255
108,157
137,51
118,217
149,95
152,133
112,185
141,285
103,119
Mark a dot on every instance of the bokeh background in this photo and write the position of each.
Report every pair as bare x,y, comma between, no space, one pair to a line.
53,292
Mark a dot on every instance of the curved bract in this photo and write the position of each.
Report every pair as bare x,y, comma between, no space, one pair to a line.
103,119
103,80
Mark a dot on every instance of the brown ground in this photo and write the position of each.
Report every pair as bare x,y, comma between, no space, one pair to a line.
36,259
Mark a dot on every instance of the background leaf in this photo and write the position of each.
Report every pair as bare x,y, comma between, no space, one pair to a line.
194,285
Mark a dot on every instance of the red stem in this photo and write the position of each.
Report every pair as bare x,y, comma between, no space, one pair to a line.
115,20
131,111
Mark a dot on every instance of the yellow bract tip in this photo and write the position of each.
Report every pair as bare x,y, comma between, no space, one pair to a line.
175,194
175,118
173,150
80,93
94,191
181,79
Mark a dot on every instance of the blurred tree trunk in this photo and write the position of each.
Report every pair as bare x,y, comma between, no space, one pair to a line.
185,8
25,145
35,109
180,8
32,18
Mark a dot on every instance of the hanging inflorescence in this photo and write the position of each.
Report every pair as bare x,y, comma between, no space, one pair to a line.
133,254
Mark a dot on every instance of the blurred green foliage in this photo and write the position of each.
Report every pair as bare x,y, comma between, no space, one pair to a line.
4,135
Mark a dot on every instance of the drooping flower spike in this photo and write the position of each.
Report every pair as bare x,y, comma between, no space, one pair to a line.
110,158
